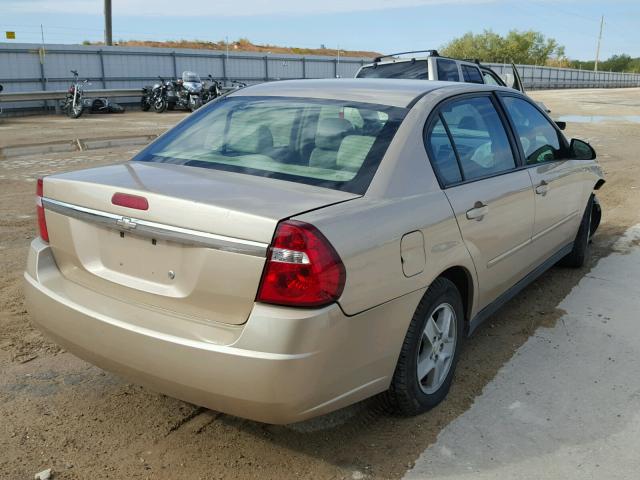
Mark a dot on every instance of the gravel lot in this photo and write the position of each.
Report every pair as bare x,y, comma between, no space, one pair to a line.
62,413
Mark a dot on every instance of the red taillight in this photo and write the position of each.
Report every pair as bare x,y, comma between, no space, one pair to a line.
42,221
302,268
130,201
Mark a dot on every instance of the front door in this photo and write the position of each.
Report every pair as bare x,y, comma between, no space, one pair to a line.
558,192
493,201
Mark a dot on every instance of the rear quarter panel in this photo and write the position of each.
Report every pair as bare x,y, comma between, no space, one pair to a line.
367,234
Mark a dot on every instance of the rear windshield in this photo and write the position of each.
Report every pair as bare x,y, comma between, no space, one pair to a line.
412,70
328,143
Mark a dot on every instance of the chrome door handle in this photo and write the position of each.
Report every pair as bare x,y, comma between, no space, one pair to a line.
543,188
478,211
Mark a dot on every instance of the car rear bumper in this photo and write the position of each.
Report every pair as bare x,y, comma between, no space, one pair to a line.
284,365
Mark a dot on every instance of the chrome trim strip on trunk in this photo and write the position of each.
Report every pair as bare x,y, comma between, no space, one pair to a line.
158,231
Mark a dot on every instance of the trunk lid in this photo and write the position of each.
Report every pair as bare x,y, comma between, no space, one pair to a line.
198,250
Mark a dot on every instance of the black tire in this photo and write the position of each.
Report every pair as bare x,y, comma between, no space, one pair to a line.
581,245
195,104
145,106
160,105
406,395
75,112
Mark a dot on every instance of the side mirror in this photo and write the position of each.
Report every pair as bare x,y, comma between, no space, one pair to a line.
579,150
560,125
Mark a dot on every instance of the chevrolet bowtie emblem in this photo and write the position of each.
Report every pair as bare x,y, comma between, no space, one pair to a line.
126,223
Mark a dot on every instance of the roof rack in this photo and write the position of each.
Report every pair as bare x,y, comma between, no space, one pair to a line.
432,53
472,60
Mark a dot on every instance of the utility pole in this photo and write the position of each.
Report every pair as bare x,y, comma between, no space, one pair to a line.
108,37
595,68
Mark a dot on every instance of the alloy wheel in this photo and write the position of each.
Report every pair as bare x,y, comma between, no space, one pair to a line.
436,349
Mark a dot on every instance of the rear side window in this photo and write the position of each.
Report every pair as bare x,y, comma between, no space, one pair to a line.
448,70
328,143
411,70
478,139
443,157
539,139
471,74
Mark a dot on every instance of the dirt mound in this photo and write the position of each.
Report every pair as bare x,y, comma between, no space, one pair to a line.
242,45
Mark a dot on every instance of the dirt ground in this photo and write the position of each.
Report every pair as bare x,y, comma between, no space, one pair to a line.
59,412
51,128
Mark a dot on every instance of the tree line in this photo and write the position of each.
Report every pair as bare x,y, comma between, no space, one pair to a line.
528,48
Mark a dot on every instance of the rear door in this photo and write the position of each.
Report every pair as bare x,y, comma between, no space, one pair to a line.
558,188
492,199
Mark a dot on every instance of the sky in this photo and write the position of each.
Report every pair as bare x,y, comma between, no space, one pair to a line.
378,25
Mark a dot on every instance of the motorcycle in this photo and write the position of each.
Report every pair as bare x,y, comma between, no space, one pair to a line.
73,104
185,92
211,91
145,100
156,96
1,88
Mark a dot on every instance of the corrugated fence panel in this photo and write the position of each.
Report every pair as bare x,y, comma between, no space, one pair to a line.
18,66
320,69
137,66
245,68
58,65
284,68
201,65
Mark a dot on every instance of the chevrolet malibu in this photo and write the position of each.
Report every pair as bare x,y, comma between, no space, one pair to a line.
298,246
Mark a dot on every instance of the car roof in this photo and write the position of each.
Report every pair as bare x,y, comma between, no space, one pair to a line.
383,91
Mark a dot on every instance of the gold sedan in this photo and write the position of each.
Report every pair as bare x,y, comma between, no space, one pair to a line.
298,246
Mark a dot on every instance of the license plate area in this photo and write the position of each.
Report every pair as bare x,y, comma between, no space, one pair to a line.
144,258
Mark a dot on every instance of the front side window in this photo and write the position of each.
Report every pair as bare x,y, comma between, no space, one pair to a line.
448,70
539,140
479,137
333,144
471,74
411,70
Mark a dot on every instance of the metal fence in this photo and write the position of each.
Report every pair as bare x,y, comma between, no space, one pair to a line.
29,67
537,77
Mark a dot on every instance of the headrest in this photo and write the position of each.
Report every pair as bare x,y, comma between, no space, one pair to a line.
331,131
353,150
258,141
